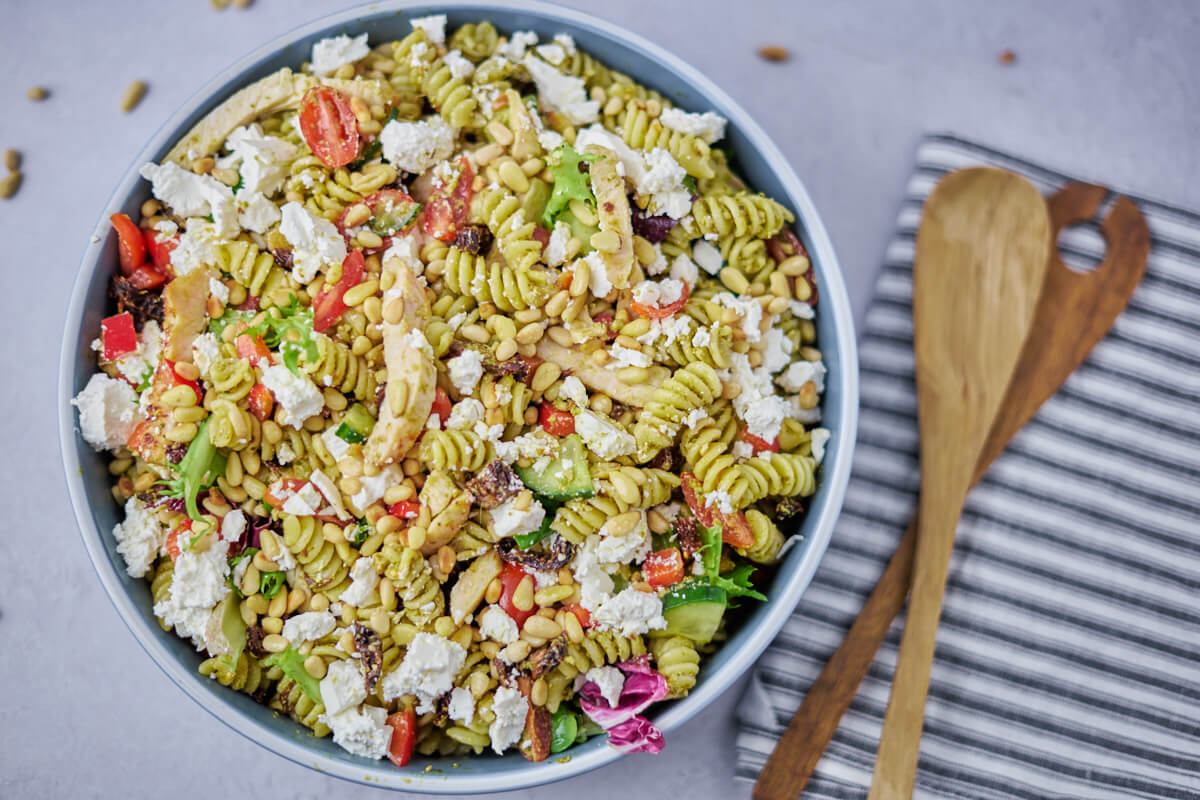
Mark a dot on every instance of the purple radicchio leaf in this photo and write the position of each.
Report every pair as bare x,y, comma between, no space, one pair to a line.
653,228
628,731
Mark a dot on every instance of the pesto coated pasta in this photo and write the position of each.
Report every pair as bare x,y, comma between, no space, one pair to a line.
463,386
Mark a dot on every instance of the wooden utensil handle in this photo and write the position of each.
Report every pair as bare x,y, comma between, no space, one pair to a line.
803,743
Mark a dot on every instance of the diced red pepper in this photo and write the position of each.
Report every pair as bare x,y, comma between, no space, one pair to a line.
118,337
131,247
329,304
404,736
252,348
405,509
556,422
446,211
663,567
261,401
661,312
160,246
510,577
147,276
759,444
441,406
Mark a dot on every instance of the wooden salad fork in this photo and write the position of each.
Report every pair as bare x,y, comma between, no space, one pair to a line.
1074,311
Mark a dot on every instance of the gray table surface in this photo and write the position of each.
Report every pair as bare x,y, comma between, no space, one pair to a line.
1107,90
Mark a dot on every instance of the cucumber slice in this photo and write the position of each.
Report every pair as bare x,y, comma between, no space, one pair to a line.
694,610
356,425
565,478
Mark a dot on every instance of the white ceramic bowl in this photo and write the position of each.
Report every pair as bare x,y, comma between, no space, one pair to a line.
758,160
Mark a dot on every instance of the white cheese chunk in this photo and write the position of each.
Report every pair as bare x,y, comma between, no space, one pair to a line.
563,93
309,626
304,502
497,625
707,256
315,241
603,437
708,126
510,709
609,680
108,410
427,671
508,520
342,687
462,705
801,372
298,397
434,26
363,580
139,537
416,146
362,731
256,212
573,389
331,53
262,160
631,613
465,371
819,439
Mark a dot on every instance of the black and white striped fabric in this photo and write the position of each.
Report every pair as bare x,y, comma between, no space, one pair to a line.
1068,658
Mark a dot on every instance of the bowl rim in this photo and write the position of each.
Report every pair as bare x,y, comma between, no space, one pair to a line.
835,476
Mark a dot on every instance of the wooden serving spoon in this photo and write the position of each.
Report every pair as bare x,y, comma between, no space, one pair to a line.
1074,312
980,258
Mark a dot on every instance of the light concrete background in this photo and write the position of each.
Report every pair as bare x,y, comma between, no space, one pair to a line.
1109,90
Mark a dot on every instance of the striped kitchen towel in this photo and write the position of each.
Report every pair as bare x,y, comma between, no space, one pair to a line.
1068,658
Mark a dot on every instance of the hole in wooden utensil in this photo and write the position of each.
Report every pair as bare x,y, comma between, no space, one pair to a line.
1081,246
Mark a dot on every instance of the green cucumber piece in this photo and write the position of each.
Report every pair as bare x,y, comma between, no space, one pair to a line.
694,610
356,425
565,478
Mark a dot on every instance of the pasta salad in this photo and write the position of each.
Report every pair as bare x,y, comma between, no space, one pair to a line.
457,388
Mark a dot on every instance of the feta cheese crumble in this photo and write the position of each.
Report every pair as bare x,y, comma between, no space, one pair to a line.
434,26
139,537
342,687
497,625
309,626
564,93
303,502
416,146
603,437
819,438
709,126
191,195
631,613
510,709
331,53
508,520
800,373
298,397
362,731
707,256
465,371
464,414
262,160
315,241
427,671
572,389
108,410
598,281
461,707
609,680
663,181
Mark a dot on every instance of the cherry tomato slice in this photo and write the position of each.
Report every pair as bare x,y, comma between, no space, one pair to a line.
735,529
252,348
329,126
556,422
660,312
511,577
758,443
441,406
663,567
261,401
172,544
177,379
159,246
118,337
405,509
131,246
447,208
329,305
147,276
690,485
404,736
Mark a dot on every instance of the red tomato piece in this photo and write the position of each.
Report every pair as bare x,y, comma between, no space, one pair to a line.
118,337
581,614
663,567
510,577
404,736
405,509
556,422
329,304
147,276
177,379
252,348
690,485
441,406
131,247
735,530
660,312
160,246
542,235
329,126
172,544
758,443
447,208
261,401
278,492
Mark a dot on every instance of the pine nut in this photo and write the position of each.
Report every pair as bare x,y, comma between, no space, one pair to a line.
278,605
133,95
556,304
296,599
446,559
547,373
794,266
488,153
532,166
539,693
808,396
657,522
272,624
522,596
583,212
356,215
315,666
416,536
560,336
802,290
475,333
551,595
606,241
530,334
356,295
633,375
493,591
37,93
274,643
506,350
9,184
573,628
734,280
622,524
500,132
517,651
